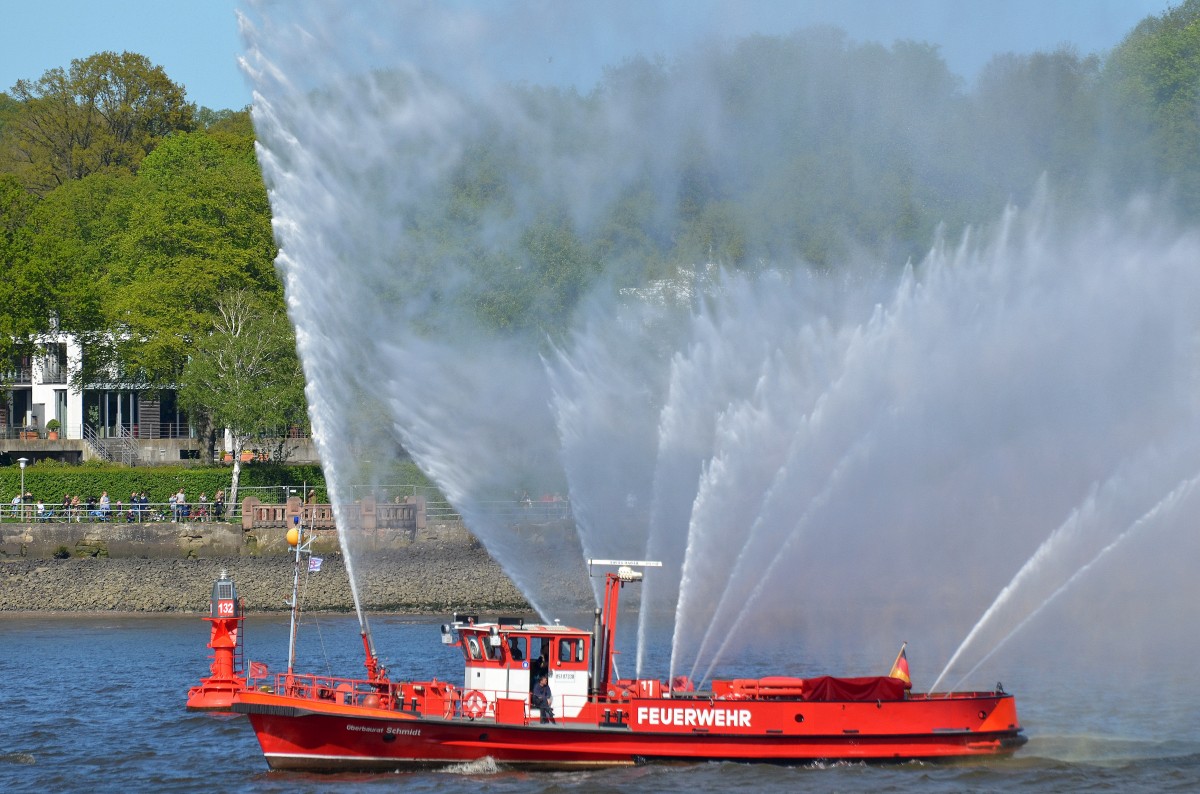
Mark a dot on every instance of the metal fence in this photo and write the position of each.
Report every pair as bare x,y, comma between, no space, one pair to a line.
118,513
166,430
437,510
17,377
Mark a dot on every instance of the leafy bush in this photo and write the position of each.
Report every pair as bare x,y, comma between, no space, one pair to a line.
50,480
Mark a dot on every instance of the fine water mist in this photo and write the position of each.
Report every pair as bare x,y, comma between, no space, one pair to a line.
829,459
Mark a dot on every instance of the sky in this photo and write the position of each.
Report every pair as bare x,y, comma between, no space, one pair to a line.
197,41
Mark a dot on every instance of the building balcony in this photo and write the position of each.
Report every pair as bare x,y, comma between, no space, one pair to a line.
17,377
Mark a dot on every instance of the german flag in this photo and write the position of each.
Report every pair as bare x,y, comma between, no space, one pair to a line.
900,667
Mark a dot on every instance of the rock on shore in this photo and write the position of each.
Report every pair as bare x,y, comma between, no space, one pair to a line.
433,578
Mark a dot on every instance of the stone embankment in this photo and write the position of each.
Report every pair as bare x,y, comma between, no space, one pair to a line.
439,573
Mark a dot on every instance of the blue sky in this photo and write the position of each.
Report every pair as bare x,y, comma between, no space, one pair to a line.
197,41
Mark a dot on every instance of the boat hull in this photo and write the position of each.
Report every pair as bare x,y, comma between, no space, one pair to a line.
298,734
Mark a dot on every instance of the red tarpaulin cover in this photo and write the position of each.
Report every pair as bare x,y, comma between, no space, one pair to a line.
872,688
822,688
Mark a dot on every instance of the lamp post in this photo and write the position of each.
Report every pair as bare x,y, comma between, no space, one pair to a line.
22,461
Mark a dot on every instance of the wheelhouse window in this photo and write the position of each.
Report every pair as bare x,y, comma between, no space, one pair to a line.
517,649
570,650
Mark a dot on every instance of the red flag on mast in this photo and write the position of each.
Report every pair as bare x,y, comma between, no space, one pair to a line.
900,667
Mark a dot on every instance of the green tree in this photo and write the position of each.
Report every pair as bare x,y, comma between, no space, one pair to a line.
199,227
236,122
1153,80
106,112
245,376
18,320
62,256
69,241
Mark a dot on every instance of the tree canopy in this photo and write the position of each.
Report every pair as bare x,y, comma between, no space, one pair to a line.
243,374
104,113
131,218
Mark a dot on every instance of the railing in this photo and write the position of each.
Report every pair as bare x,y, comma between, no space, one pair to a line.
118,513
427,698
21,433
17,377
366,515
175,430
441,512
120,447
54,374
95,443
525,511
127,447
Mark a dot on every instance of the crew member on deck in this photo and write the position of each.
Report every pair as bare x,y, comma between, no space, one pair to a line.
543,700
540,666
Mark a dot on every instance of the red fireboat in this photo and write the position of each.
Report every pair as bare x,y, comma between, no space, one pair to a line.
314,722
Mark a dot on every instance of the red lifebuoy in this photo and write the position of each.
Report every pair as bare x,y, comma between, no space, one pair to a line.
474,704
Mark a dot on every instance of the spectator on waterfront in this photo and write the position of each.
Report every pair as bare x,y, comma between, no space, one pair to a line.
173,501
181,505
202,507
105,506
75,507
219,505
27,506
16,506
66,508
41,509
91,507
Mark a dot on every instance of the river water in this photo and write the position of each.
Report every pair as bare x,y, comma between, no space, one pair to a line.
96,703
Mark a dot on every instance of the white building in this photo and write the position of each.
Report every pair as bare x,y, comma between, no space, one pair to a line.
40,389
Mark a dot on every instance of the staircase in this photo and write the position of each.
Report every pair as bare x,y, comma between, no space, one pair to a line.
121,448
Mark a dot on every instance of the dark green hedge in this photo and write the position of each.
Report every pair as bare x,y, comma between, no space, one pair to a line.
49,480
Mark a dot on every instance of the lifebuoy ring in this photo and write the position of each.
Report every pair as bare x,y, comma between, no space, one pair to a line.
474,704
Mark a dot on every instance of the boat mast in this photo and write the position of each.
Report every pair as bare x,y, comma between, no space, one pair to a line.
605,632
301,545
